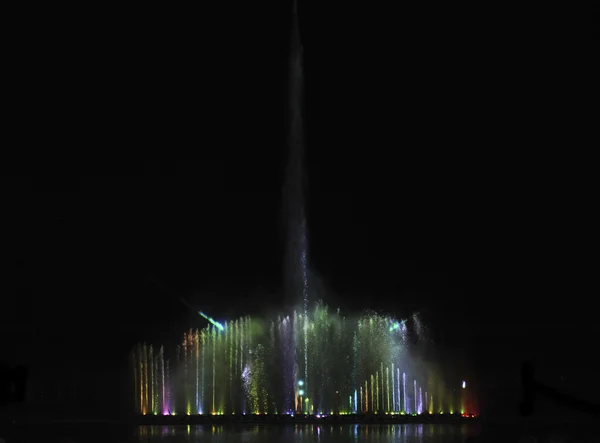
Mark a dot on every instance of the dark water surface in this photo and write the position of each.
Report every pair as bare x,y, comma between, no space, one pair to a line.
305,433
309,434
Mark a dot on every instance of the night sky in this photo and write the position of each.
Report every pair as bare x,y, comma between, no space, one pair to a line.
150,152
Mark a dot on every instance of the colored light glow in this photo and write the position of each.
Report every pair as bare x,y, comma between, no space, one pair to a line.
209,361
212,322
396,325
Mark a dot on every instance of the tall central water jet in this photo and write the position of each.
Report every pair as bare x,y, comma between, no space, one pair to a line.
296,272
296,266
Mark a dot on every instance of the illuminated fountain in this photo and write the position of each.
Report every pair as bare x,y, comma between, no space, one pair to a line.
310,361
254,366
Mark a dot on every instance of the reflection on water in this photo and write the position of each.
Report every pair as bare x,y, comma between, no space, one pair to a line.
406,433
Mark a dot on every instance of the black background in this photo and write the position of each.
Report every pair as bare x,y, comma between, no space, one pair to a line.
447,167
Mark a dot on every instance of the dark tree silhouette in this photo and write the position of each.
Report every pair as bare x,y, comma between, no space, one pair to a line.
12,384
532,388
